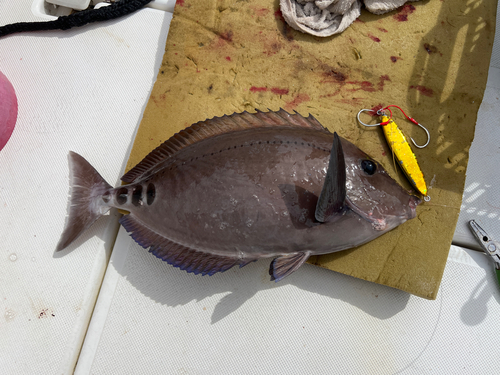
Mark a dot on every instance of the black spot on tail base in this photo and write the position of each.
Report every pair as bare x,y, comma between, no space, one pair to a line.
151,194
137,195
122,195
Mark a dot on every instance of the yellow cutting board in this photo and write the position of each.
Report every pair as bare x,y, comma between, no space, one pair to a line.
429,57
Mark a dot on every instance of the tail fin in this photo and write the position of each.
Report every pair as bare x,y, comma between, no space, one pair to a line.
86,204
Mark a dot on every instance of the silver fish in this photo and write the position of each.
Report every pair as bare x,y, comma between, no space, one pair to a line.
233,189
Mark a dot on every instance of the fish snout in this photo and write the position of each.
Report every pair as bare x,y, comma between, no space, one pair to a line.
413,202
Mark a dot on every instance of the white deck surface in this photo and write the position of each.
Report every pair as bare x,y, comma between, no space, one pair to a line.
82,90
85,90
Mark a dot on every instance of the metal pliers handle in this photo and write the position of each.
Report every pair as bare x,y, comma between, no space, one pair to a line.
490,247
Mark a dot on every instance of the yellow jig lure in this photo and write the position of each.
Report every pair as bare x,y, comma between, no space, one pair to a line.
401,149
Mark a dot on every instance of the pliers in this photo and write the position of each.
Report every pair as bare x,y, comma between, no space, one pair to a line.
489,246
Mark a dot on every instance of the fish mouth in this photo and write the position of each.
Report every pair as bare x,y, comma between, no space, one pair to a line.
413,202
382,222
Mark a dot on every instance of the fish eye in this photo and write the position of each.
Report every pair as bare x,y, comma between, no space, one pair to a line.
368,166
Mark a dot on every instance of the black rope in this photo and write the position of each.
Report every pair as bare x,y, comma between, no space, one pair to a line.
118,9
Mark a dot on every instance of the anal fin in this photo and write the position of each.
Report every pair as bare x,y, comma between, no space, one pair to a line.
285,265
178,255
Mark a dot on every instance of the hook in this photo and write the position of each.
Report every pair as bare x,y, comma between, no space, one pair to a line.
426,132
380,113
368,125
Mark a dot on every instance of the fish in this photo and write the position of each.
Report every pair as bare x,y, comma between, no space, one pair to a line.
230,190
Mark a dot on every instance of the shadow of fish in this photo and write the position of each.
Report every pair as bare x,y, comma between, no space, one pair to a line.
233,189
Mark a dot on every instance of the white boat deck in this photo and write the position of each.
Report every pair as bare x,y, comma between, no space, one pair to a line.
110,307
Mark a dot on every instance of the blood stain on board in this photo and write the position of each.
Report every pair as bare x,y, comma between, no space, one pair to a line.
341,82
395,58
180,3
258,89
279,16
375,109
423,90
272,48
160,100
228,58
382,80
299,99
334,75
369,86
274,90
278,91
227,36
260,12
402,16
363,85
374,38
222,40
382,29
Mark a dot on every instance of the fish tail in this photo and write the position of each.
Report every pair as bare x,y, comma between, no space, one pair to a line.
88,199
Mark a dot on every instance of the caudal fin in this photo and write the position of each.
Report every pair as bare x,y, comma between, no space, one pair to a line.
86,204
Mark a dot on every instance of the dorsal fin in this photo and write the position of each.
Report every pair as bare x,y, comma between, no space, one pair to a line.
216,126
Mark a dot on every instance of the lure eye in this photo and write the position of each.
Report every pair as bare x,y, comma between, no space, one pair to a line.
368,166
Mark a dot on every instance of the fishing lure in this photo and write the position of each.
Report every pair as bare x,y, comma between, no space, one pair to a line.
400,147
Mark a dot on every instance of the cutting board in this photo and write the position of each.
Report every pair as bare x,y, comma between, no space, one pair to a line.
226,56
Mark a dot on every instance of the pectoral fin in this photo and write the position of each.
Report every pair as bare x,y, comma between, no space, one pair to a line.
331,199
284,266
